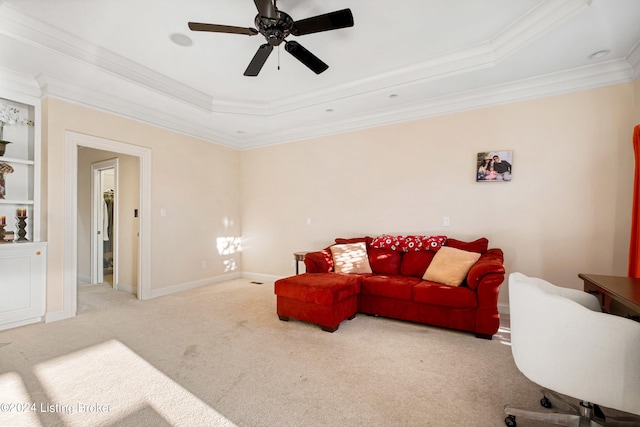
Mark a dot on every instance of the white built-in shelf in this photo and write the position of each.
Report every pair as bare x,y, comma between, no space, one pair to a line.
15,202
23,264
16,161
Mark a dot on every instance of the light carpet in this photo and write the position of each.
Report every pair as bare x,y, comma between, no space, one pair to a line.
219,356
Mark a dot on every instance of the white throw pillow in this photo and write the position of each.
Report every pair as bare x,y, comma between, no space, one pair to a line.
350,258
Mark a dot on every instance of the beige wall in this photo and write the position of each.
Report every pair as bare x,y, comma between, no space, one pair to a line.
196,182
566,211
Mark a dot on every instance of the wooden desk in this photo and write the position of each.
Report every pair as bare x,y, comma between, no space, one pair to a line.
617,295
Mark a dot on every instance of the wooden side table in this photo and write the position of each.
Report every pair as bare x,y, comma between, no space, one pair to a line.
617,295
298,256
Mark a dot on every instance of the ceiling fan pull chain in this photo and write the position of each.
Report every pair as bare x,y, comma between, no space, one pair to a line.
278,57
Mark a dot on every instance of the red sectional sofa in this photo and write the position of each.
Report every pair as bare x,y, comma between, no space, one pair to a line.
395,288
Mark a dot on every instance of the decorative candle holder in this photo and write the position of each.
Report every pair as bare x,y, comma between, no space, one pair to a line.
22,229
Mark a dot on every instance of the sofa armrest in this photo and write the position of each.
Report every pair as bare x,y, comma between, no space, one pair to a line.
490,263
485,277
319,261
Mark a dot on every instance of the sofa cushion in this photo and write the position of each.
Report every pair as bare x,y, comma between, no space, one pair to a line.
318,288
399,287
384,261
450,266
442,295
415,263
481,245
350,258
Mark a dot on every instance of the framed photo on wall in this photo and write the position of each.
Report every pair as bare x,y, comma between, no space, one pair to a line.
494,166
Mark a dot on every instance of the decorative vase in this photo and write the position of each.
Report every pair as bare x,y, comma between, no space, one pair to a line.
4,168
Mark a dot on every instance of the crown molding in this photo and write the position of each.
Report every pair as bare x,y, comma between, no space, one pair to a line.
16,85
21,27
583,78
528,28
58,88
534,24
633,57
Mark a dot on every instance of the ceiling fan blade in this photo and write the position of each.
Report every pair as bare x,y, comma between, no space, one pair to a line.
258,60
307,58
266,8
214,28
328,21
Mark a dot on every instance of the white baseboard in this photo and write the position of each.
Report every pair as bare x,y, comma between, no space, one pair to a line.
191,285
54,316
503,308
20,323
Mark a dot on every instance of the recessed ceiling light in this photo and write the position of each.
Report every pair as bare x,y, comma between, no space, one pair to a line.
181,39
600,54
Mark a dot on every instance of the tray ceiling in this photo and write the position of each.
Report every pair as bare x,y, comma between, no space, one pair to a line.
411,60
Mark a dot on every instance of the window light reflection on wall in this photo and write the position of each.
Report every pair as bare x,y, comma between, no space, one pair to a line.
228,246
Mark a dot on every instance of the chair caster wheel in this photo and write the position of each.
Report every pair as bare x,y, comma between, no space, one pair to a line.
510,421
546,402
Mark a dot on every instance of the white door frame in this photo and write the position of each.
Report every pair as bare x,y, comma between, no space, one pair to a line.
97,221
73,141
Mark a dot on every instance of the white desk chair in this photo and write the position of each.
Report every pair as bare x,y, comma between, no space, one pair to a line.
563,342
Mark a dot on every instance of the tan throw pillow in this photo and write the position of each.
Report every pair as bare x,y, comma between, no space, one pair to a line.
450,266
350,258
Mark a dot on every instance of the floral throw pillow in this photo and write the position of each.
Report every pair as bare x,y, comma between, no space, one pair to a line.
409,243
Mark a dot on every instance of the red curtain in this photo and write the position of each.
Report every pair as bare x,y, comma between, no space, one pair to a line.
634,247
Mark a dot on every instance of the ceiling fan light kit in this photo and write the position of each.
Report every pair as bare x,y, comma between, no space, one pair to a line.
276,25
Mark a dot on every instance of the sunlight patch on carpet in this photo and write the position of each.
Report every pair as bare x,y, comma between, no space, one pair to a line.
16,406
109,383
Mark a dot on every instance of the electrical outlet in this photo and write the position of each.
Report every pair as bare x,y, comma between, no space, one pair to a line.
446,221
204,265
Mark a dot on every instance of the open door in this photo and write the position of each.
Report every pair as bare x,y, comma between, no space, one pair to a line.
104,221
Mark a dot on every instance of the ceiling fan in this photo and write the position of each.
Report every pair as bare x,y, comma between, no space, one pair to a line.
275,25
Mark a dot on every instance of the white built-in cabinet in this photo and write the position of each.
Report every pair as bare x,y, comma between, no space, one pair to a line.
22,263
22,283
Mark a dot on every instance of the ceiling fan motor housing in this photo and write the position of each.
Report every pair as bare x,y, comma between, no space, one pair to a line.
275,30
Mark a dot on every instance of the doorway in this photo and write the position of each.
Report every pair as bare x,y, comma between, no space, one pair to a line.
104,222
73,142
